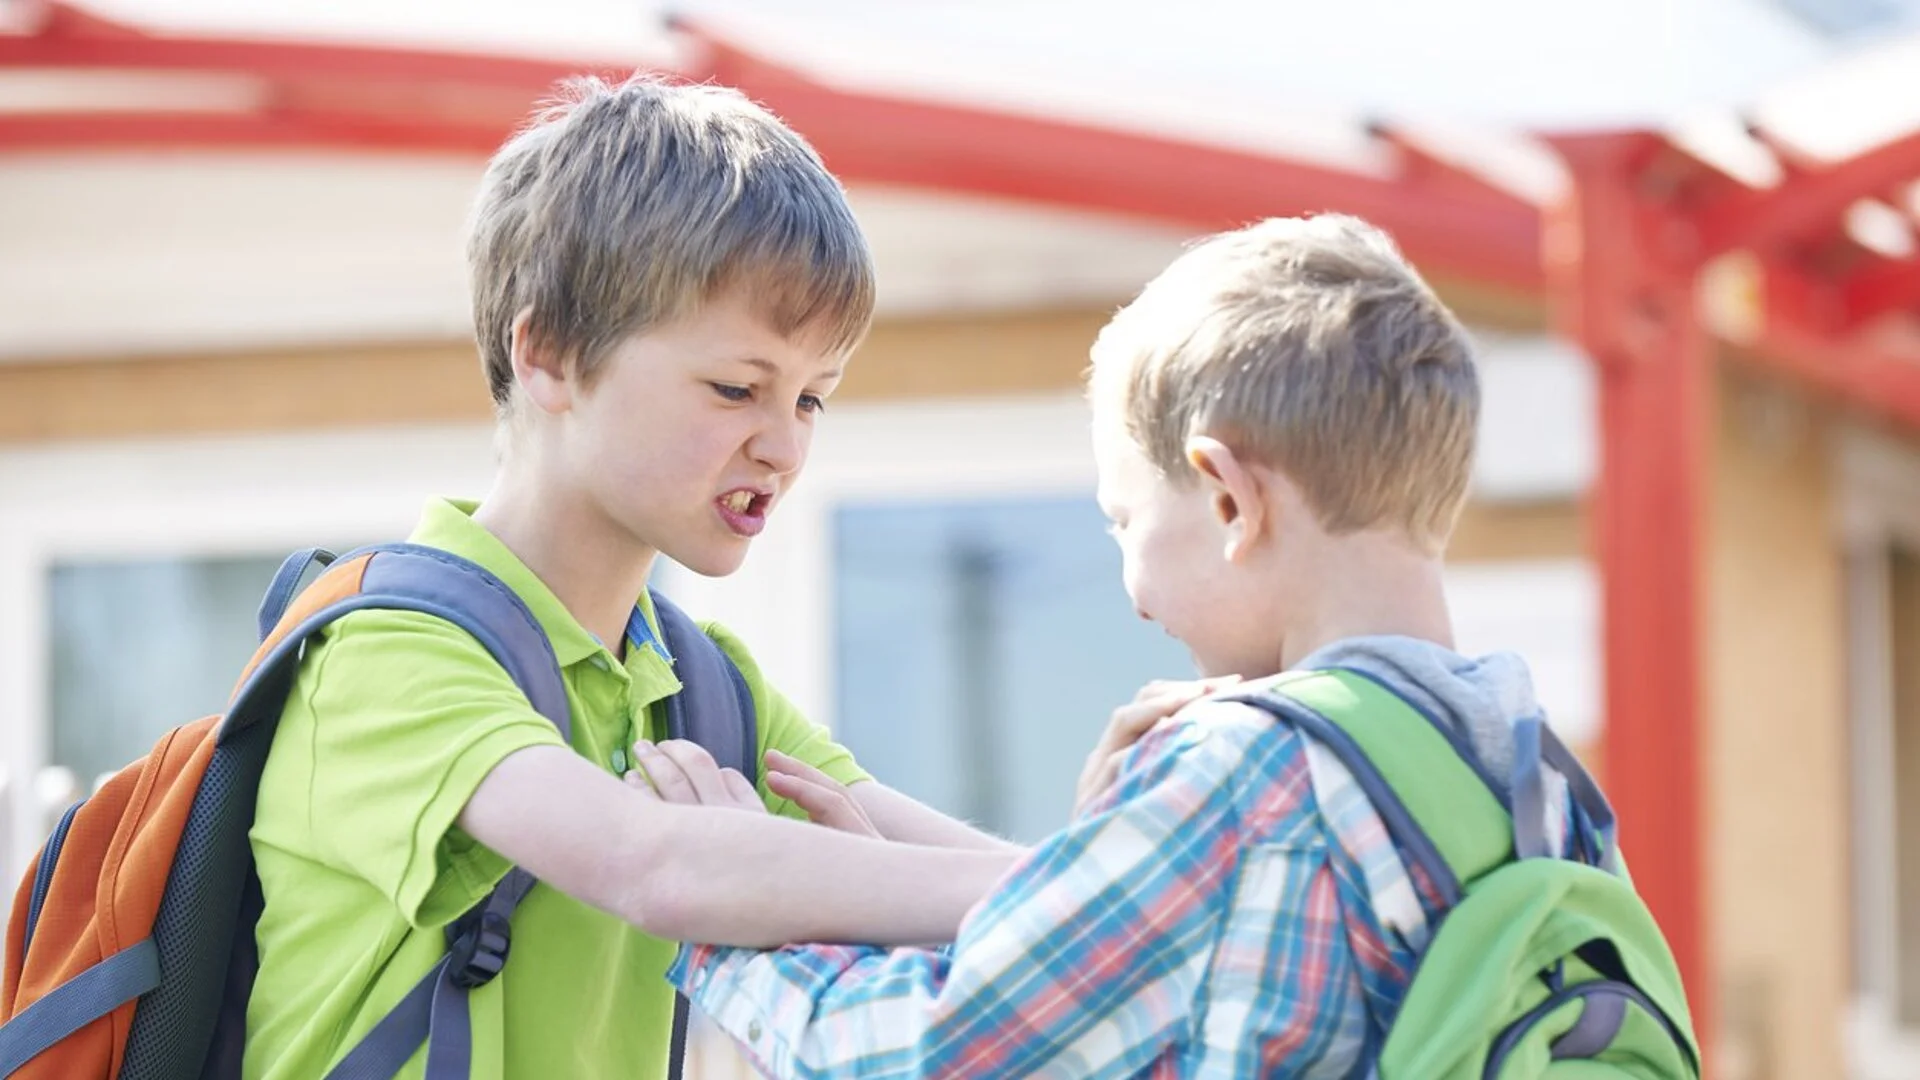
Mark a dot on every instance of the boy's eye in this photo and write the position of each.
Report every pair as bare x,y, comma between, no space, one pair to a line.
731,392
812,403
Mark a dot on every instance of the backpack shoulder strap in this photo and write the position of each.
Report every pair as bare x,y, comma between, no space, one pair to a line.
400,577
714,707
403,577
413,577
1435,806
1439,806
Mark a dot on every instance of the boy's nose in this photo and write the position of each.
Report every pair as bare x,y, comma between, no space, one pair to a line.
780,447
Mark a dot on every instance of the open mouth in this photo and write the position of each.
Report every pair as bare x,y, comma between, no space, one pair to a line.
744,510
741,502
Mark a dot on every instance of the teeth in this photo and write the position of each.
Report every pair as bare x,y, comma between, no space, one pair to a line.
738,501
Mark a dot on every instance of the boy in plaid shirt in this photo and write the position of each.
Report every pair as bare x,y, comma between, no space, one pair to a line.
1284,425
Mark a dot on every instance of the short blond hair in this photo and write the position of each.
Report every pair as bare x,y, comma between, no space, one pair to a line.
620,208
1312,346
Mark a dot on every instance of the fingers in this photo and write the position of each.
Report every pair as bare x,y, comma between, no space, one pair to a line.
1099,780
819,802
1160,688
1158,700
1201,689
740,788
663,773
826,801
778,762
684,772
1154,704
1137,717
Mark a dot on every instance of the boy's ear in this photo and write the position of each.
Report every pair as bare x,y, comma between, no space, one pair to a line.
540,370
1234,492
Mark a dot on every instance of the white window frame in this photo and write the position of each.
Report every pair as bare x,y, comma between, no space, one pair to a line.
1879,506
228,495
781,601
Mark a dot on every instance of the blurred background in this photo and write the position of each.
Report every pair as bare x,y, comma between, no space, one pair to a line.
233,322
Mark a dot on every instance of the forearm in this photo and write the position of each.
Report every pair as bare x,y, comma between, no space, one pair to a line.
712,874
1061,963
1088,957
737,878
901,818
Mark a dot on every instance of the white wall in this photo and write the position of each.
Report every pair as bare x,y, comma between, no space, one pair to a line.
137,254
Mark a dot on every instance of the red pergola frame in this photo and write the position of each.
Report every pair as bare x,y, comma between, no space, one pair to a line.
1618,263
382,99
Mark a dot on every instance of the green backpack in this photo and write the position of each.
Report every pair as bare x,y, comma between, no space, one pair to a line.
1537,966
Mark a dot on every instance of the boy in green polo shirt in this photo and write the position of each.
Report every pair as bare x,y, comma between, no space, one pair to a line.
667,284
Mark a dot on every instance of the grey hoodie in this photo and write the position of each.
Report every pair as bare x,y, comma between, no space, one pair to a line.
1482,698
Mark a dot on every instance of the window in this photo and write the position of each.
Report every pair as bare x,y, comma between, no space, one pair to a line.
132,571
980,645
1880,519
1903,595
1852,18
141,646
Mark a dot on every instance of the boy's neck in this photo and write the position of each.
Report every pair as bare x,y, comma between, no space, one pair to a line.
1368,589
592,566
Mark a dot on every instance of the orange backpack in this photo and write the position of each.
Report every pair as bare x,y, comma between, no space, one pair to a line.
130,948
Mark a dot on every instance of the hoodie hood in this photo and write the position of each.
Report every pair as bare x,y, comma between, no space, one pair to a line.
1480,698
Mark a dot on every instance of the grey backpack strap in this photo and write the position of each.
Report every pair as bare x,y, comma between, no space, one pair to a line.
82,999
286,585
434,1012
714,707
410,577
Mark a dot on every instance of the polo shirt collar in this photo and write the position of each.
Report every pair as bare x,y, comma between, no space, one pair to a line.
448,524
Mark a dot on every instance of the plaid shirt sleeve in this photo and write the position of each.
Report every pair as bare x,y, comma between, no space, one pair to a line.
1086,960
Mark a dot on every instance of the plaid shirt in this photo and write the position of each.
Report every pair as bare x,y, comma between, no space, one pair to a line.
1233,907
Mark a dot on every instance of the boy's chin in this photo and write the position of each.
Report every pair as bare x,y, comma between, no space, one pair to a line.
715,561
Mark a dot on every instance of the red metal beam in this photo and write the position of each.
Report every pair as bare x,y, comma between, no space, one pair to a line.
1793,161
1208,187
1807,299
1867,375
1421,165
1883,287
1810,203
1590,308
1631,306
87,132
866,136
57,18
73,39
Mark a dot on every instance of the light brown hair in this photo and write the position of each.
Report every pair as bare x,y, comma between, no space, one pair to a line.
622,208
1311,345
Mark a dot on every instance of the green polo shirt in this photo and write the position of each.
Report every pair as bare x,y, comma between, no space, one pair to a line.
394,720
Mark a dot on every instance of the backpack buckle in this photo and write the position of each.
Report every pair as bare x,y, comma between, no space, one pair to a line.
477,949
